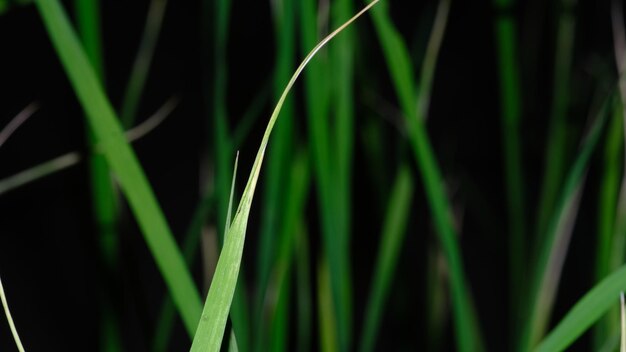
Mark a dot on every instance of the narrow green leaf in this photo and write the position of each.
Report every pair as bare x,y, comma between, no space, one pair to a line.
511,110
5,305
210,331
143,60
165,323
232,195
623,322
278,294
326,316
398,62
556,151
303,287
123,162
104,193
591,307
549,260
391,240
278,159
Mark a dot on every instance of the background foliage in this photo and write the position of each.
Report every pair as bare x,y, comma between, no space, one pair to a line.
447,176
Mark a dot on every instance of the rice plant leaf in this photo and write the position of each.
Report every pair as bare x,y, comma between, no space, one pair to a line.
318,90
554,243
67,160
5,305
465,320
210,330
557,144
123,162
191,243
143,60
391,240
232,195
591,307
17,121
505,28
623,322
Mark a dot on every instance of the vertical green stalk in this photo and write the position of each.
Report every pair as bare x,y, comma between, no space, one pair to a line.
278,293
325,310
278,159
511,110
549,260
398,63
223,148
609,190
191,242
103,191
143,60
391,239
317,87
303,288
342,57
556,153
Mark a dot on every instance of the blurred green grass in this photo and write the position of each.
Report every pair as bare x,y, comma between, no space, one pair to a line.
305,283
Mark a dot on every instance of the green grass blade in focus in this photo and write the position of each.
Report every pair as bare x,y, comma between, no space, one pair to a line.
210,330
123,162
591,307
5,305
391,239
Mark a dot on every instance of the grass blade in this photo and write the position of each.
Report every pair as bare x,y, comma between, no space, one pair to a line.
398,63
5,305
317,90
623,322
556,157
104,194
303,283
123,162
550,259
511,110
210,331
278,160
72,158
143,60
17,121
607,211
278,294
191,243
391,239
326,312
342,81
591,307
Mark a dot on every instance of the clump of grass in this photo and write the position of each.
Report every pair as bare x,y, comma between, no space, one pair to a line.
261,310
